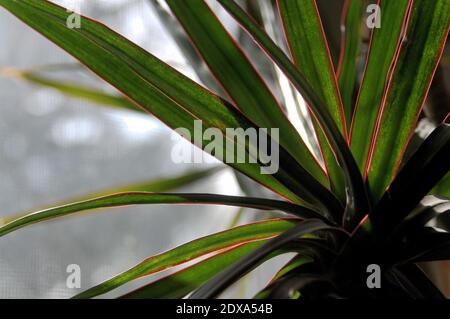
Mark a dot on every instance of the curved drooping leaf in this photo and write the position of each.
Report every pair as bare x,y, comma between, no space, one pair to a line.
169,95
220,282
407,89
310,53
140,198
383,51
76,90
351,42
357,205
192,250
155,185
239,78
183,282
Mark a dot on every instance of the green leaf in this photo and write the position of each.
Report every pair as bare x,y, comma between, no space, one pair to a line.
155,185
181,283
357,205
416,62
167,94
139,198
351,43
162,184
220,282
311,55
383,50
75,90
192,250
239,78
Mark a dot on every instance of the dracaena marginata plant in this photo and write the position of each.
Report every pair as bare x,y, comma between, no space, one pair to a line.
352,200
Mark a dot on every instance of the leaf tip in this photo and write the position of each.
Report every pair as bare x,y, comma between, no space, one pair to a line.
11,72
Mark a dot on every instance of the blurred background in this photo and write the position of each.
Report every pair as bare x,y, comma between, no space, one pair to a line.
54,148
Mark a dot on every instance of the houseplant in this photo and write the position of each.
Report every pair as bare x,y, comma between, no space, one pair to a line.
365,208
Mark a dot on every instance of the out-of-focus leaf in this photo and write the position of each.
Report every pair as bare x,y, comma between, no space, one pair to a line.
167,94
185,45
240,79
75,90
192,250
357,205
407,89
140,198
347,69
383,51
311,55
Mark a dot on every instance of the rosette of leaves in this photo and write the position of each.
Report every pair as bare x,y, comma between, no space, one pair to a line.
360,202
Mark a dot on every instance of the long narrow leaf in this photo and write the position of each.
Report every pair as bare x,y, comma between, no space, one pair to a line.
383,50
239,78
407,90
347,69
155,185
216,285
357,200
182,283
139,198
311,55
166,93
192,250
